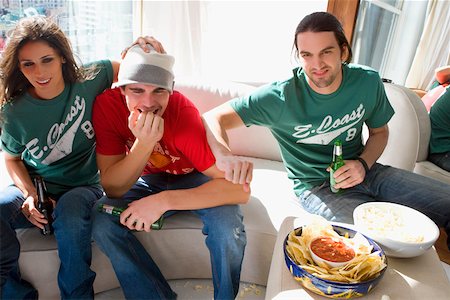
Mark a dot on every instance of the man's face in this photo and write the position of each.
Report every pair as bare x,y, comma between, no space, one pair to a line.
321,58
146,98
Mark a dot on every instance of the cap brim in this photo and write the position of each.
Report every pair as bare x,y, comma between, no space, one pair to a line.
126,82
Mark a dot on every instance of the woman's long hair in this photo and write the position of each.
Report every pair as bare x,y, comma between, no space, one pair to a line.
38,28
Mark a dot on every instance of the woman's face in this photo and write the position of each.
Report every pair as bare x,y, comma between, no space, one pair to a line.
42,66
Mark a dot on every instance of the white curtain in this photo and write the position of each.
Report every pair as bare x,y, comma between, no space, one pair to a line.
178,25
234,40
434,47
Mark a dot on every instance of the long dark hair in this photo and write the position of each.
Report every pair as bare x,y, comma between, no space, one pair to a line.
320,22
37,28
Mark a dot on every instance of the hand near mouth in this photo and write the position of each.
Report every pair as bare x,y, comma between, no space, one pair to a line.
147,127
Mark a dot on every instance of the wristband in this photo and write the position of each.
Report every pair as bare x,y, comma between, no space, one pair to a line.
363,162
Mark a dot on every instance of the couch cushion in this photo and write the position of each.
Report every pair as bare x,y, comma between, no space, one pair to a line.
255,141
427,168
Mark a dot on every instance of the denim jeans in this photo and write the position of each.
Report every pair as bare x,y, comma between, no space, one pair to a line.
441,160
72,228
139,276
383,183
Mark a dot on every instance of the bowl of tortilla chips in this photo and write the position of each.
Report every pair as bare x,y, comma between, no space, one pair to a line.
354,279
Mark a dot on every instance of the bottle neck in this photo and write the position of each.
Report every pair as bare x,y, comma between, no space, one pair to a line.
337,152
40,189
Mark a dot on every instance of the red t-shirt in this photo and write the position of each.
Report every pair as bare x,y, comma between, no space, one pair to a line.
183,147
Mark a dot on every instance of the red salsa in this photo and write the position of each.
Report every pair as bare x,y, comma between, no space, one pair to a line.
331,249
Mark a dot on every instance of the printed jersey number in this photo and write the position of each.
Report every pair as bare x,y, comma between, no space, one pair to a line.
350,134
88,129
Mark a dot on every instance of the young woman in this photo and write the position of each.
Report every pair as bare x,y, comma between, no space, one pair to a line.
46,104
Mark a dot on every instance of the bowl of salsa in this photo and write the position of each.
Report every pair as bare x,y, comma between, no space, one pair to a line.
332,251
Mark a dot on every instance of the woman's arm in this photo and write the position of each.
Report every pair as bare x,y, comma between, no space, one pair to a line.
19,174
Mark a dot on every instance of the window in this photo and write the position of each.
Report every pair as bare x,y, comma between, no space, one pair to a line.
97,29
386,35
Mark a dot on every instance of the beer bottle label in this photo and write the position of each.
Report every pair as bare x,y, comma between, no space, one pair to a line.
336,163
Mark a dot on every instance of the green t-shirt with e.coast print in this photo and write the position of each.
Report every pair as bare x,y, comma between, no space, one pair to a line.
306,123
440,124
55,137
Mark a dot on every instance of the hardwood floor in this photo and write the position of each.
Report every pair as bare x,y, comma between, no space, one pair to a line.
441,247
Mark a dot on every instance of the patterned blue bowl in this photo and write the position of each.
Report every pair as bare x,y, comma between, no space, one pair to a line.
333,289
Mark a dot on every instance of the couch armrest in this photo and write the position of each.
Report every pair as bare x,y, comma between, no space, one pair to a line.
404,129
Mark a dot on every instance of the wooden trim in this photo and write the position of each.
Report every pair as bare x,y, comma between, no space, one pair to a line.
346,12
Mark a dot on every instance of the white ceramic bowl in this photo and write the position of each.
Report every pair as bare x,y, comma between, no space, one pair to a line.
330,251
400,230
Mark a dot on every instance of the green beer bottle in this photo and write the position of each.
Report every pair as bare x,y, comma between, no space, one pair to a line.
44,205
338,161
116,211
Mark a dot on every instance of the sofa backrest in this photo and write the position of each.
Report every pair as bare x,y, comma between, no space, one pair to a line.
409,128
403,143
254,141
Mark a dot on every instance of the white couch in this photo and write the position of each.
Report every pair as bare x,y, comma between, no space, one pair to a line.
179,248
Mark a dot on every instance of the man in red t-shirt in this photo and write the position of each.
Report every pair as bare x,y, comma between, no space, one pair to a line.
154,158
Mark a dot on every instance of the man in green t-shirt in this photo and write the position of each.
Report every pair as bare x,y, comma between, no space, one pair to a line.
327,99
439,152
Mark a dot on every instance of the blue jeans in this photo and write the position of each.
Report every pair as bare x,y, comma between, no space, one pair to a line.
72,227
441,160
383,183
139,276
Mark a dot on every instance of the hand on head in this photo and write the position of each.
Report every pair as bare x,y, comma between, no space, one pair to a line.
142,42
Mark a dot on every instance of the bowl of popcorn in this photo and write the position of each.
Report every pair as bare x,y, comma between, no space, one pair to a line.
400,230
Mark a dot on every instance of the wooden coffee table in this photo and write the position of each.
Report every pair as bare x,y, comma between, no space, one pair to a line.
421,277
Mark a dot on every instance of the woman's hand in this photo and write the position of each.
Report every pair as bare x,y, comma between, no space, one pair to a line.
142,42
32,213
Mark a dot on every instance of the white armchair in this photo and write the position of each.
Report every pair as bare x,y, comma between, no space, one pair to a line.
409,134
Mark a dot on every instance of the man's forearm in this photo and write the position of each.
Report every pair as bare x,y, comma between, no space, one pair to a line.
375,145
213,193
442,74
123,174
217,137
